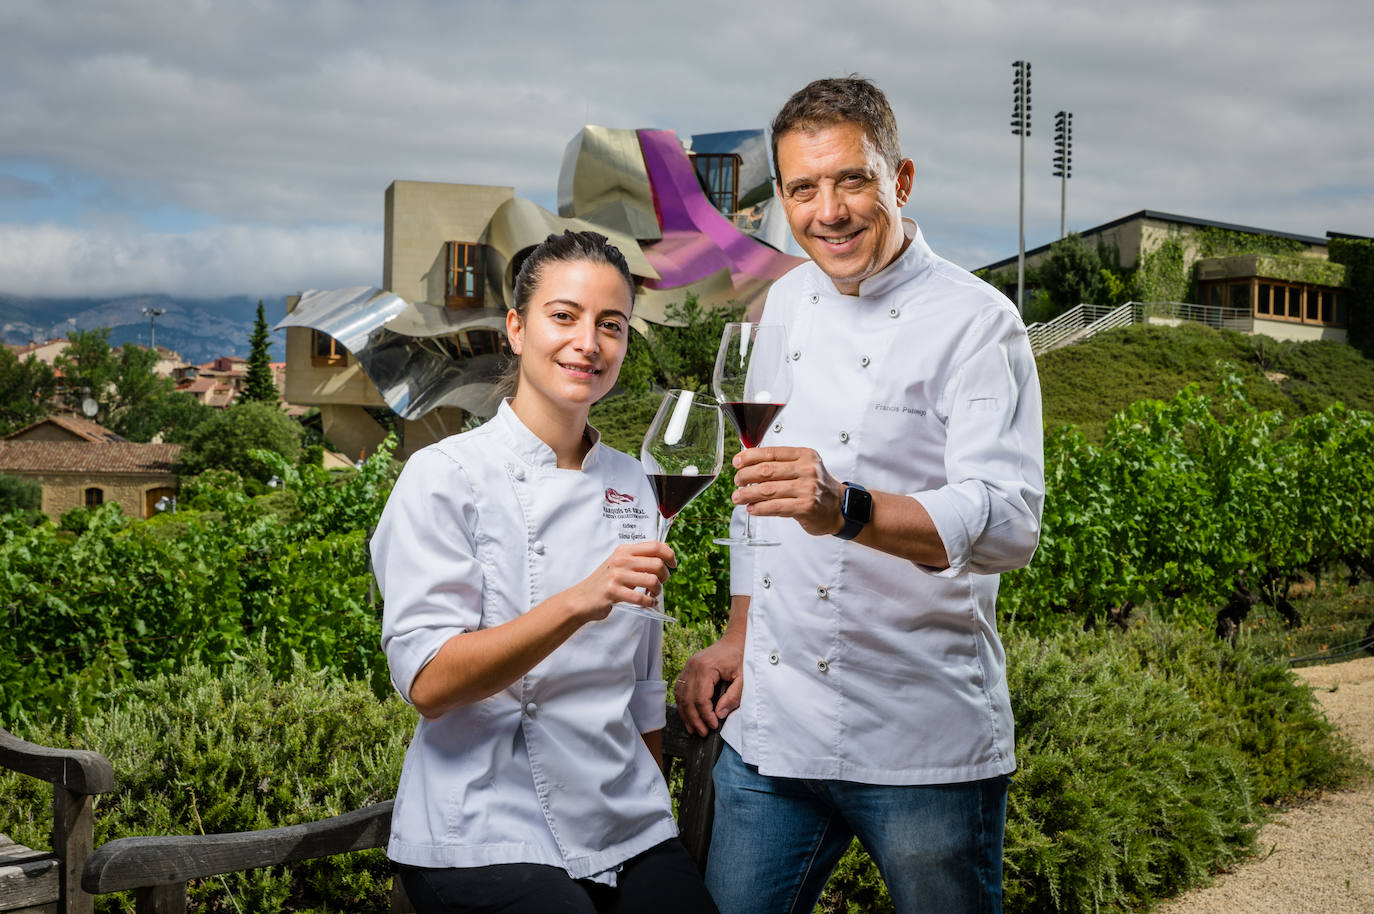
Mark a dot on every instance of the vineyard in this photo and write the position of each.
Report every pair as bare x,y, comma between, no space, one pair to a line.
1191,512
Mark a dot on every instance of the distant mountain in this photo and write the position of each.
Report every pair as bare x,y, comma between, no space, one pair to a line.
199,328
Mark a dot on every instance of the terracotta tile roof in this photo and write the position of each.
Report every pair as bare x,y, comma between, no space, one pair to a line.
86,457
79,426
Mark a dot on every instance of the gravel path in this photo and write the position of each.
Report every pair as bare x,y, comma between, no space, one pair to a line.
1317,858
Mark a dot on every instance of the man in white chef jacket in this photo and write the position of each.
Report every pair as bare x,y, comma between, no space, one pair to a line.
867,691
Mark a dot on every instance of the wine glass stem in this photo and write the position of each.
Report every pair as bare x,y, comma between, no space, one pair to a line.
664,523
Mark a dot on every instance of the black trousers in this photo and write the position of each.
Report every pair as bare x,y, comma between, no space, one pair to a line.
662,880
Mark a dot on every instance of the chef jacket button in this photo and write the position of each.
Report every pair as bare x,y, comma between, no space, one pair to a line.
530,708
773,657
518,473
767,581
815,298
822,666
823,592
893,312
844,437
537,547
796,355
864,361
777,426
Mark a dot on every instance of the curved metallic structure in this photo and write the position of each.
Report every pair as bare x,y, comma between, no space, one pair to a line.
411,352
641,189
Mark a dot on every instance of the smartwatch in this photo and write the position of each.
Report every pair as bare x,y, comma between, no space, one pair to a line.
857,508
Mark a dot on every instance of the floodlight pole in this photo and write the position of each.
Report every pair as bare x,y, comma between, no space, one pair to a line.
153,315
1020,126
1063,161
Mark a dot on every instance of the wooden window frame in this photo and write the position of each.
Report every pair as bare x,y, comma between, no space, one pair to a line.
94,496
468,261
325,351
725,200
1316,305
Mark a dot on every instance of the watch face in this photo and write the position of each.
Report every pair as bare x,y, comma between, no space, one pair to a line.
858,504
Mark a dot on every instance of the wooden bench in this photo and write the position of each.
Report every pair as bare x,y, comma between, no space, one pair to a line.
49,882
157,869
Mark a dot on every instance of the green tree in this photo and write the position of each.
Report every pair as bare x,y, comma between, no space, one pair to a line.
224,441
177,416
1072,274
25,388
680,353
130,403
260,387
88,369
19,494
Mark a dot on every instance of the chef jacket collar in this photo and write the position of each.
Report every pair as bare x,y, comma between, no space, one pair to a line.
530,447
908,264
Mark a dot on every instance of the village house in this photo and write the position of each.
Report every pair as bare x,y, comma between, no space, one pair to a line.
79,463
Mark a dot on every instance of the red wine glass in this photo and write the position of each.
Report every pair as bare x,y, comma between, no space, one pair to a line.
752,380
681,454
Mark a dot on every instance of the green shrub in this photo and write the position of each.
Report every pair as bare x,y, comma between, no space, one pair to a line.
225,440
95,606
1143,758
228,750
19,494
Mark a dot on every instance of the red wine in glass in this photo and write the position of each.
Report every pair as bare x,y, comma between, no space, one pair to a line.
752,419
752,380
675,492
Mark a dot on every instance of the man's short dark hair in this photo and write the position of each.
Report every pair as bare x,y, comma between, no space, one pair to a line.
849,99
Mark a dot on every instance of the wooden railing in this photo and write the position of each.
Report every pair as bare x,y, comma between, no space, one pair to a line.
158,868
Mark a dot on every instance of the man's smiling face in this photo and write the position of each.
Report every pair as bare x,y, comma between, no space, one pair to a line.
843,201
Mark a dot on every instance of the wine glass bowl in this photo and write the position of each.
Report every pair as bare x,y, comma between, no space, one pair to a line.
752,380
681,455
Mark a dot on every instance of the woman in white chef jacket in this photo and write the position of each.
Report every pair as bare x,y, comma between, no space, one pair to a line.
532,781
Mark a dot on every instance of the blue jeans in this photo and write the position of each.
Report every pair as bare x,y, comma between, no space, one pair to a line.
776,840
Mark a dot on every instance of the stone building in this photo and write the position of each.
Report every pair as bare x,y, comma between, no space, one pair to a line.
79,463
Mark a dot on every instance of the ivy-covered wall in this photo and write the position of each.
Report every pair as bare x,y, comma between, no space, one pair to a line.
1357,255
1167,270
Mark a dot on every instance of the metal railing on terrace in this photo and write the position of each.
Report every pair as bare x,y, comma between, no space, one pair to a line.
1172,312
1084,321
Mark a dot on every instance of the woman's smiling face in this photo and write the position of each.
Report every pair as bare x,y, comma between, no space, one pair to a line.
572,338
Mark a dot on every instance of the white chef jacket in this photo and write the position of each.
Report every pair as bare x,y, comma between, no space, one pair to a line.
859,665
479,528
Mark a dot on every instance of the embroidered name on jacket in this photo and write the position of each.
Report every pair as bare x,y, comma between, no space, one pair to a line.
904,410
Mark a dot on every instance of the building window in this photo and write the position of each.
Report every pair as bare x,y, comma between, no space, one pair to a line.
325,351
719,177
1238,296
466,283
1275,300
95,497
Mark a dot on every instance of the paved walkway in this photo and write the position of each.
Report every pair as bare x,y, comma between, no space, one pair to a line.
1317,858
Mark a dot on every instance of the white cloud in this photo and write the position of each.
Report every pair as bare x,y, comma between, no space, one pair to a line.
267,261
298,115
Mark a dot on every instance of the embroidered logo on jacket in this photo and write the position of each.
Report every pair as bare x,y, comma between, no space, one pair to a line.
629,517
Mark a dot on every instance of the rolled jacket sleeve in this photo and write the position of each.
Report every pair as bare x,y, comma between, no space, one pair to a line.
650,691
988,513
425,559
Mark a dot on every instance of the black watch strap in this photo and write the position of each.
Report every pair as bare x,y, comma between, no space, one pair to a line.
857,508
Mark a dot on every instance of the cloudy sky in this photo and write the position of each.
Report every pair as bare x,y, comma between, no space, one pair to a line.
200,147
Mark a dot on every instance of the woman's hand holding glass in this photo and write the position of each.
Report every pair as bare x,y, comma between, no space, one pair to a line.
630,578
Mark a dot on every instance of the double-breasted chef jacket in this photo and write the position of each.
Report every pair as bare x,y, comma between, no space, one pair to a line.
479,528
859,665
